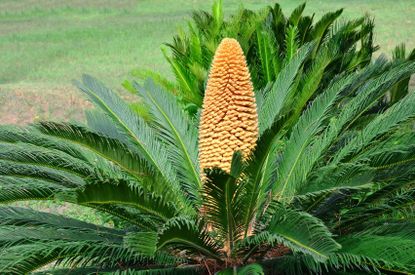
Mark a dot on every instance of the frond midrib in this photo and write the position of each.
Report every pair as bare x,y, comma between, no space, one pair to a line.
179,138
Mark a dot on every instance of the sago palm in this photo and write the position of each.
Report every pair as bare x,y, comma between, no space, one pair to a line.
402,88
257,191
269,39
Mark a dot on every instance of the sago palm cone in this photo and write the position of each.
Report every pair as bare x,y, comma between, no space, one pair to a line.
229,120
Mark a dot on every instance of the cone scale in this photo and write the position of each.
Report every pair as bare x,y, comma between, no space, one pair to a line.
229,120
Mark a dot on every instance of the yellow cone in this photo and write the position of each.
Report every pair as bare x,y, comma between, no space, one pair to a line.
229,120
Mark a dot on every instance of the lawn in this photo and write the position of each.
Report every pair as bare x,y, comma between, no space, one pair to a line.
46,44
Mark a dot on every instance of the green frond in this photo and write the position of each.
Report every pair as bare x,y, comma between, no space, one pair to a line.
402,88
14,189
310,83
139,135
294,168
30,239
41,172
175,130
252,269
327,203
296,14
221,202
217,14
188,235
268,54
29,135
366,213
299,231
186,81
99,145
291,43
371,92
388,159
394,251
75,271
26,258
347,176
274,100
185,270
18,235
144,74
128,215
305,26
390,189
398,113
260,173
54,159
144,243
123,193
335,126
18,216
321,28
338,263
102,124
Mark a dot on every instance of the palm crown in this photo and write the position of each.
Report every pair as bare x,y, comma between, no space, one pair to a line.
329,190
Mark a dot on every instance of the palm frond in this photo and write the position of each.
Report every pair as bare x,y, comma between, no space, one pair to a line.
221,202
15,134
176,131
399,251
186,234
296,14
30,239
260,172
312,79
299,231
14,189
140,135
268,54
291,43
398,113
294,167
31,155
125,193
322,27
101,146
270,110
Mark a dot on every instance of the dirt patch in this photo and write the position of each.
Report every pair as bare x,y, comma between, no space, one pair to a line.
24,104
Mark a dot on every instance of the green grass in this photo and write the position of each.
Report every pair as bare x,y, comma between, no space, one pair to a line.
45,44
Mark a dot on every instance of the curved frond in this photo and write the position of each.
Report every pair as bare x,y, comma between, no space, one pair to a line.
175,130
270,110
188,235
221,203
398,113
299,231
293,168
125,194
110,149
139,135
